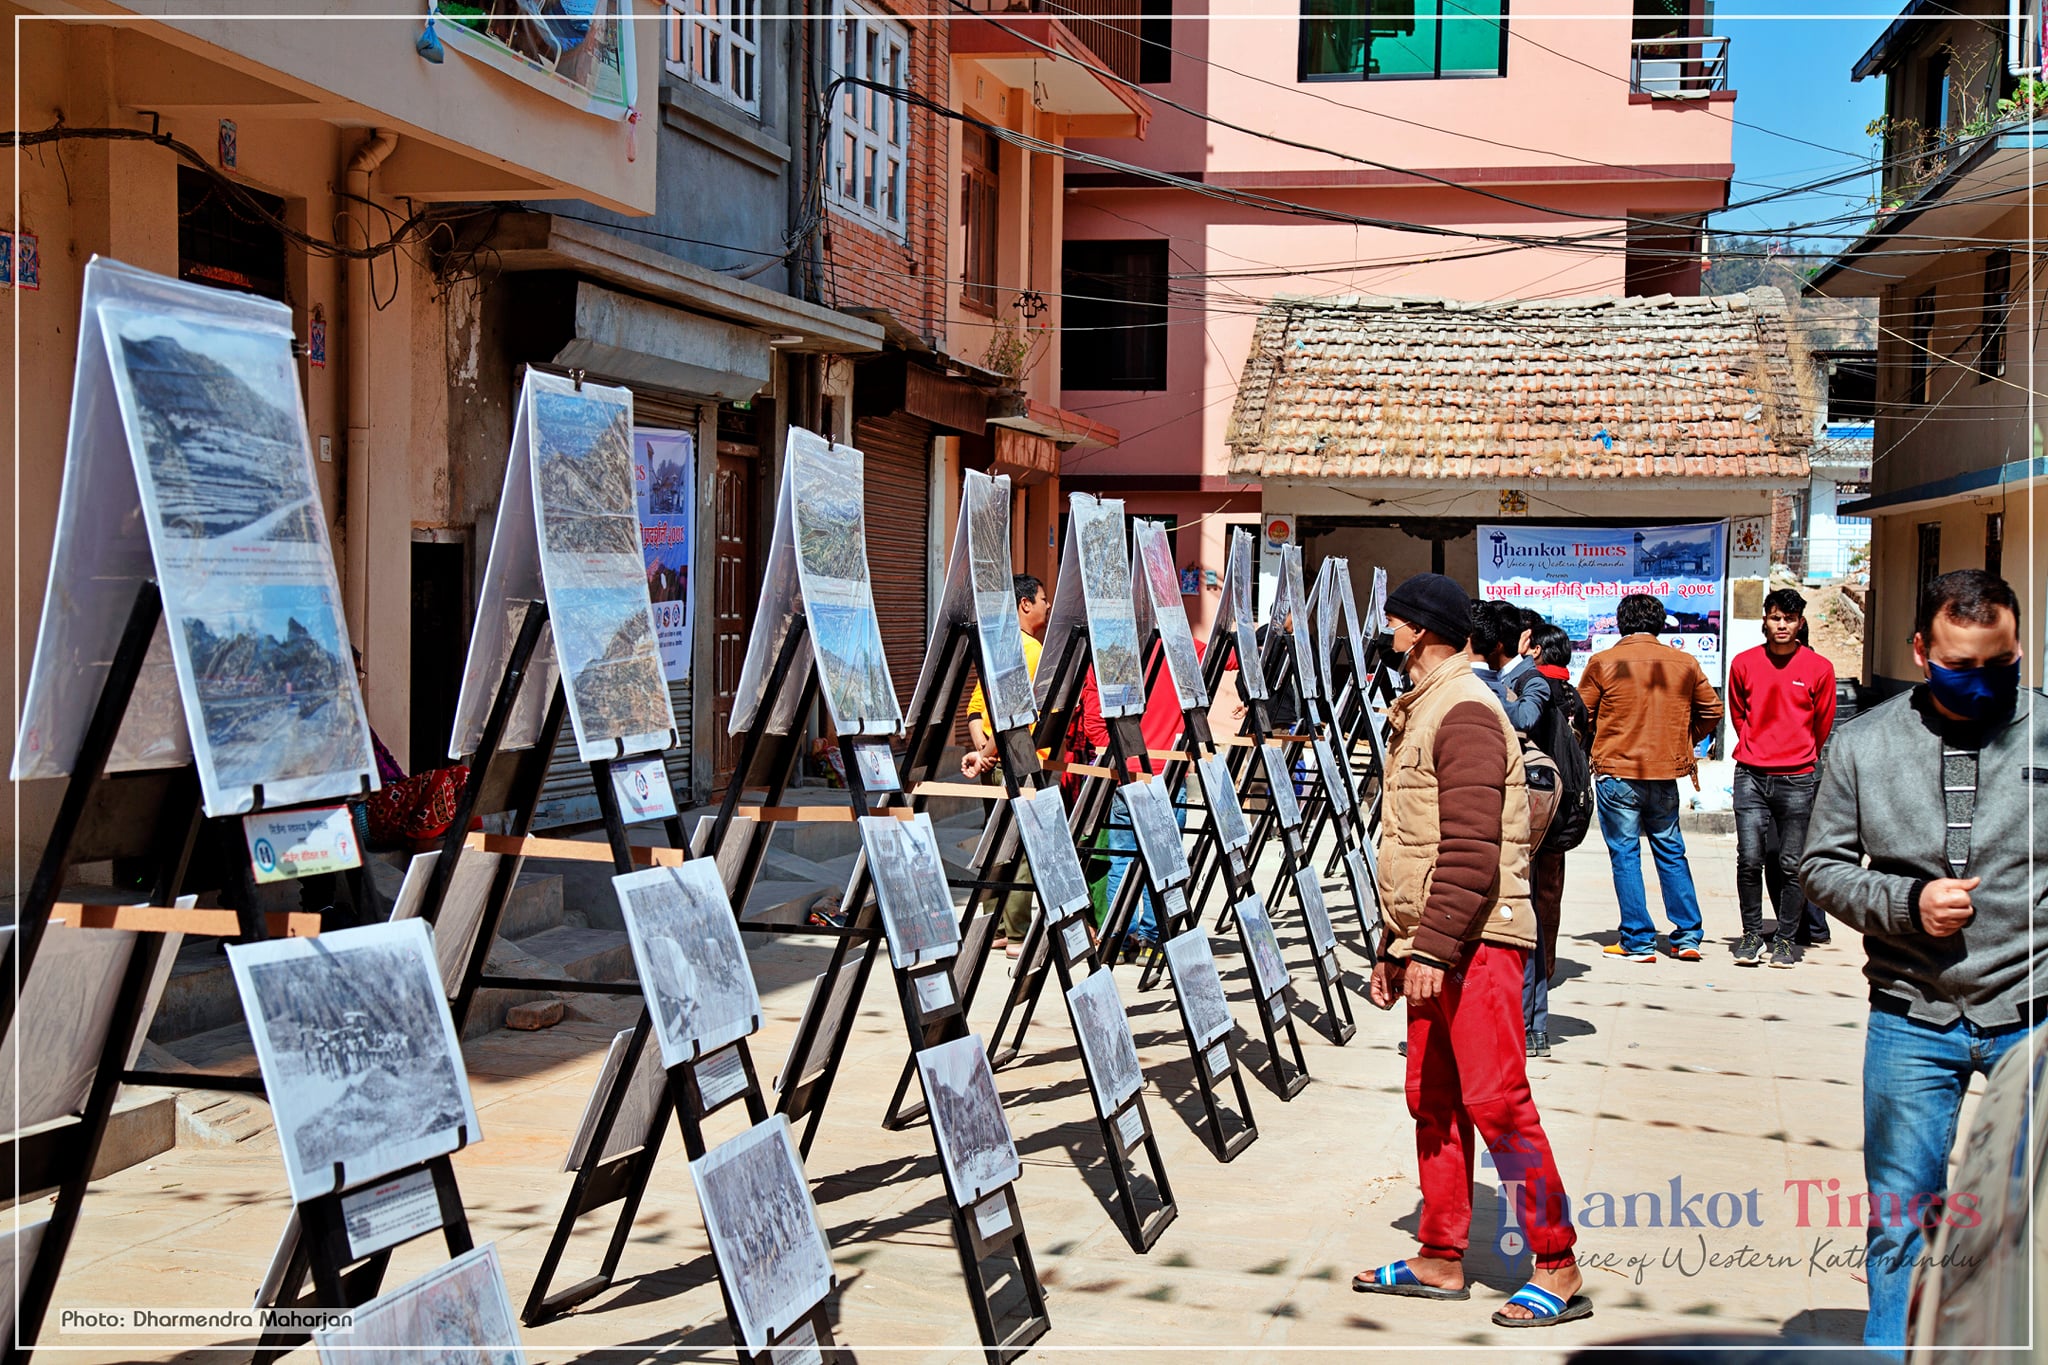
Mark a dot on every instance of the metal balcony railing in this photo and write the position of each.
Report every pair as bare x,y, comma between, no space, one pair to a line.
1108,27
1678,68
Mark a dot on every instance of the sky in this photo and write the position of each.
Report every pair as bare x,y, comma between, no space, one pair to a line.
1791,78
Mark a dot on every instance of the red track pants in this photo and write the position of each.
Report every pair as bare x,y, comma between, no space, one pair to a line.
1465,1071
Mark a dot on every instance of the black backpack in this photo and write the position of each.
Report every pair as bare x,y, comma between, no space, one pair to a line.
1556,733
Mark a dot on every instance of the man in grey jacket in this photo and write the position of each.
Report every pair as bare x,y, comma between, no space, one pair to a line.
1920,840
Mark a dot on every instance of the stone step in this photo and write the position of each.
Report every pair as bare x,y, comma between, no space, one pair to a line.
534,905
571,953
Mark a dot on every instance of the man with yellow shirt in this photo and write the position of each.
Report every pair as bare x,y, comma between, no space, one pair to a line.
1034,610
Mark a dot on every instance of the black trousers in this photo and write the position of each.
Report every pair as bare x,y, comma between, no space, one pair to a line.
1771,811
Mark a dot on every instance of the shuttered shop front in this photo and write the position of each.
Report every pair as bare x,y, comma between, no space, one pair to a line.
568,798
898,452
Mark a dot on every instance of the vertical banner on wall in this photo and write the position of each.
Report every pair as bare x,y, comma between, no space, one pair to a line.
1577,575
665,483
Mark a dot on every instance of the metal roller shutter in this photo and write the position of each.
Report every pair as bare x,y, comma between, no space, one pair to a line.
898,452
566,797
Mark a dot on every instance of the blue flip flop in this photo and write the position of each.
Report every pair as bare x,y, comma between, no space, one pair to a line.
1548,1308
1398,1279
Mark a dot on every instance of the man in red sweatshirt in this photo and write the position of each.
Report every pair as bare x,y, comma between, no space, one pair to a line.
1781,701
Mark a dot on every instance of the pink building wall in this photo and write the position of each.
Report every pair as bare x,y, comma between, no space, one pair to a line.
1582,146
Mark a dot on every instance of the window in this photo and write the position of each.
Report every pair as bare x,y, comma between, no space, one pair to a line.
1928,567
716,44
1920,348
870,128
1991,330
1113,331
1155,42
220,244
1934,110
1994,544
1357,40
980,179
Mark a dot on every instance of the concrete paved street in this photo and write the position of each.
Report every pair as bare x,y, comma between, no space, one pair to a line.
1715,1084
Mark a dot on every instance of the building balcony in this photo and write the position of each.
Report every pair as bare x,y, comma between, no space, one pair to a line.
1680,68
1041,49
1107,28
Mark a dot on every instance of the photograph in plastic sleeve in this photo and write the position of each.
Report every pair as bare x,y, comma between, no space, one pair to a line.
1198,984
1357,634
1376,604
1336,781
60,1028
1290,609
1280,781
1049,848
358,1051
1105,1033
1176,637
967,1114
757,1208
1006,679
828,521
1237,589
1268,966
1324,608
1309,887
455,1313
1097,526
910,885
462,907
634,1123
1221,793
594,566
686,944
1151,811
251,602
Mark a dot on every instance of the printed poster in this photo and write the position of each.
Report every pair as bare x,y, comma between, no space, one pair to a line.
664,486
1577,575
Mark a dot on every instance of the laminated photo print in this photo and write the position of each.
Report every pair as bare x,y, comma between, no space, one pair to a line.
1049,848
1280,781
358,1050
1336,781
772,1252
1151,811
686,945
1160,597
1005,678
1221,793
828,521
1309,887
967,1115
1269,968
910,886
455,1314
1237,597
1105,1033
1096,526
1199,986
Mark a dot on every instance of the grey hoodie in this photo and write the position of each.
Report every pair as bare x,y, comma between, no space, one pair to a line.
1881,799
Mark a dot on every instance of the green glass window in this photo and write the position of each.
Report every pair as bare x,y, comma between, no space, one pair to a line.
1353,40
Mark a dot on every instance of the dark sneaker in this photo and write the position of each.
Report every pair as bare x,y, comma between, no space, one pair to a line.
1784,953
1750,952
1539,1043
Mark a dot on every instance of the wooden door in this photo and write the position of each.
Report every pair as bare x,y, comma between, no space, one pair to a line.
734,574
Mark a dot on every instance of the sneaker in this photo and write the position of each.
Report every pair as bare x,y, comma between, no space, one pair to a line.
1537,1043
1784,953
1689,953
1632,954
1750,952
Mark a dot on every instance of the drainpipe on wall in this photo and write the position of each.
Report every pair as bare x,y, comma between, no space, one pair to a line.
355,481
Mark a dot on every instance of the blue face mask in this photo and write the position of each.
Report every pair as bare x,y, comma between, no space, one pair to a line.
1984,693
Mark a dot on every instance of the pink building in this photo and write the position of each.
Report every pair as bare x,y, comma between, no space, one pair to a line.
1453,116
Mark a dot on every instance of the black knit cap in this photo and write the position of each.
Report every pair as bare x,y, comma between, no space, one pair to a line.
1434,603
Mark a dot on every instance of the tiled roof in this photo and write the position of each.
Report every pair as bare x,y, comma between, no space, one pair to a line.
1425,388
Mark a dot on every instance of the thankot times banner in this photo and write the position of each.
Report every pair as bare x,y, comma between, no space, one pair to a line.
1577,575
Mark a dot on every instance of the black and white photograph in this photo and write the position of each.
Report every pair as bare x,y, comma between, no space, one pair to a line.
455,1314
1158,834
1049,847
1309,887
250,594
1291,608
910,884
829,527
462,907
60,1027
634,1123
1334,777
692,964
1005,678
1237,595
771,1250
1269,968
967,1114
1196,982
1280,782
1097,526
1161,580
1221,793
1105,1034
358,1052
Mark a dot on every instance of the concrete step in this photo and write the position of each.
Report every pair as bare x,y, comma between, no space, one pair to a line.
570,953
534,905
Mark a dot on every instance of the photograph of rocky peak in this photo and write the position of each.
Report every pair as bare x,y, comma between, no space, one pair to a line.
583,473
276,696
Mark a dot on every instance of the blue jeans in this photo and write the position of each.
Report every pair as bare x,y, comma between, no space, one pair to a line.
1122,838
1914,1076
1631,808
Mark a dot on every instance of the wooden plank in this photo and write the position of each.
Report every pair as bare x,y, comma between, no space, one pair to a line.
825,815
165,919
973,791
568,850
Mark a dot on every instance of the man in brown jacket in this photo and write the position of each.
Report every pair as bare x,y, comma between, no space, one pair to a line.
1456,930
1650,705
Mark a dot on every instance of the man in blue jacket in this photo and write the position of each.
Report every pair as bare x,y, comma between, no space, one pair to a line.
1921,839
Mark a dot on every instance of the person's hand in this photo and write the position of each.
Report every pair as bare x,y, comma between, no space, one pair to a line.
1385,987
1422,982
970,764
1237,711
1945,904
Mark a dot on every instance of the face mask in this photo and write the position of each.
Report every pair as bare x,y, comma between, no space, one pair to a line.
1975,693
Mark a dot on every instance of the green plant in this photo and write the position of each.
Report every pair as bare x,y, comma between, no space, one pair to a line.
1009,350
